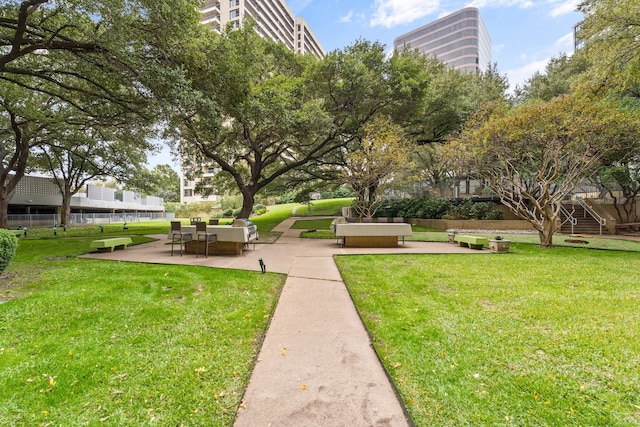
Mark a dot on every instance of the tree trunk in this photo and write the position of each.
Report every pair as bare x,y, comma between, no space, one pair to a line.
248,198
546,232
66,207
4,208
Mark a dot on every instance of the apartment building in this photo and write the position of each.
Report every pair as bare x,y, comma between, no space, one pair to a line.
273,19
460,40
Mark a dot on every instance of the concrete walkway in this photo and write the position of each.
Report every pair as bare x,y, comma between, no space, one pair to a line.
316,366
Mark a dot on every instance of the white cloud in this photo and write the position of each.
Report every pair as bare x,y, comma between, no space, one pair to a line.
519,75
389,13
565,43
347,18
563,7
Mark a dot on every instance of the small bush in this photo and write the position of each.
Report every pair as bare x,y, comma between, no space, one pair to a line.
8,246
259,209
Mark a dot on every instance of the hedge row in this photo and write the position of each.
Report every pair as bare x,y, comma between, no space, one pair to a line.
430,208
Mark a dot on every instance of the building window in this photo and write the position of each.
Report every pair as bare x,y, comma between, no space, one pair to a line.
234,13
234,3
188,192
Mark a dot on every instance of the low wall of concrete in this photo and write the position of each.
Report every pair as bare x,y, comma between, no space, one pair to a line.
445,224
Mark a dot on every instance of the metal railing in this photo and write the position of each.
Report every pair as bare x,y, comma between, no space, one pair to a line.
79,219
589,210
569,215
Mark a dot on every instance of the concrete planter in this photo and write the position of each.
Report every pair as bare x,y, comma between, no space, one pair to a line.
452,238
499,246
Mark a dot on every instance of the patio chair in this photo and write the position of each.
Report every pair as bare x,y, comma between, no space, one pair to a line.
214,221
204,235
383,219
182,236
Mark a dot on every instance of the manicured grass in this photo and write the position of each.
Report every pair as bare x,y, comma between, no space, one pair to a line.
318,224
328,207
535,337
124,344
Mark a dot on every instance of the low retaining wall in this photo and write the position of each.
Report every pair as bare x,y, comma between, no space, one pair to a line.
468,224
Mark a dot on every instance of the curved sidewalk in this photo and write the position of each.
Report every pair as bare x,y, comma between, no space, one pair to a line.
316,366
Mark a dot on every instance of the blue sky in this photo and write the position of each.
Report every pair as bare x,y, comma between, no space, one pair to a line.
525,34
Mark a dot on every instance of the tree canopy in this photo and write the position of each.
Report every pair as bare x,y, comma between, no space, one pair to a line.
532,157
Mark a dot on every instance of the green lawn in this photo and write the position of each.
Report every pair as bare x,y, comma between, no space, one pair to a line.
328,207
535,337
93,342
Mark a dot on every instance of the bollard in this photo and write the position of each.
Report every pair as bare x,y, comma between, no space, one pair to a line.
262,266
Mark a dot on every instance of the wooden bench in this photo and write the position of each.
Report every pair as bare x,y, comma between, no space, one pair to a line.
472,242
104,244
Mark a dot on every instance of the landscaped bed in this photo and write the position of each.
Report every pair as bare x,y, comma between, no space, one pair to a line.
539,337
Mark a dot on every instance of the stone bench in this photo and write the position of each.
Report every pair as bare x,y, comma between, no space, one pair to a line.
111,243
472,242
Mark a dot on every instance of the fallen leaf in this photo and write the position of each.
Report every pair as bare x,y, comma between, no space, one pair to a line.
303,387
284,351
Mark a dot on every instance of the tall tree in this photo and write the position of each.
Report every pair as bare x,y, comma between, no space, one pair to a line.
161,181
262,113
382,152
19,133
560,75
99,58
79,151
534,156
610,31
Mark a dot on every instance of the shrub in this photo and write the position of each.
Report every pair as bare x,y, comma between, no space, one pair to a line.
259,209
8,246
428,207
470,210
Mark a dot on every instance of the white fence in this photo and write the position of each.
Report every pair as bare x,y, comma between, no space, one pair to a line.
78,219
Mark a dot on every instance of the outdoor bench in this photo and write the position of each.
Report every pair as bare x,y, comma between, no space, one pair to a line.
473,242
111,243
371,235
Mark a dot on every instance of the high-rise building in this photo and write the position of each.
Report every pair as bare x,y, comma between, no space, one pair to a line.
273,19
460,40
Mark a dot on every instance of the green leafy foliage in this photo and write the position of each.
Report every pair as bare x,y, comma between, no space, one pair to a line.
8,246
473,210
432,208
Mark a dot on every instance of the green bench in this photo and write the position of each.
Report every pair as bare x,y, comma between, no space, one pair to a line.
104,244
473,242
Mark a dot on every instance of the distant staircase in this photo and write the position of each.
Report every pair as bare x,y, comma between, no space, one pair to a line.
583,220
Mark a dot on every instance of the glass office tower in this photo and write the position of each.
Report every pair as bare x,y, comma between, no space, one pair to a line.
460,40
